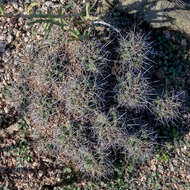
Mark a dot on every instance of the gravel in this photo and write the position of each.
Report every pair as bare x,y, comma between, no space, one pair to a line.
15,34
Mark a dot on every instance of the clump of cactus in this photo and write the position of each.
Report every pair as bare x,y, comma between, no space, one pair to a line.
133,50
166,108
132,91
65,96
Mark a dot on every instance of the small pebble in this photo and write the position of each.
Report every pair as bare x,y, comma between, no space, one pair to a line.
15,5
20,9
18,34
21,21
28,34
2,37
167,34
9,38
2,47
48,3
184,42
1,68
26,39
6,110
40,174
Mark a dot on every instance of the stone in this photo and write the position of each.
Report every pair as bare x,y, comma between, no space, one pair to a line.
47,4
26,39
12,128
6,110
10,38
2,69
15,5
158,13
2,47
20,21
18,34
20,9
167,34
184,42
2,37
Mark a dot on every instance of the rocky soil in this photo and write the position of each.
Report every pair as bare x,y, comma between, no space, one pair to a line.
21,167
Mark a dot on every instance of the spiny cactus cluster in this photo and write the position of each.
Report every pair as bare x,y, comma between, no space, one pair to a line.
133,89
62,92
